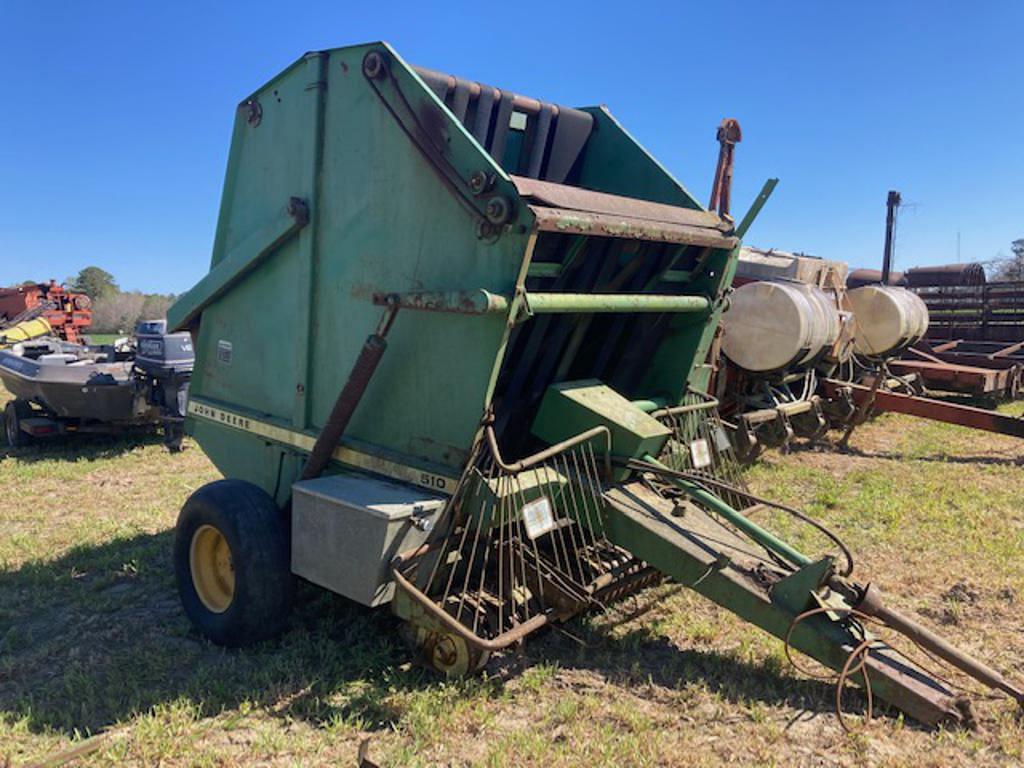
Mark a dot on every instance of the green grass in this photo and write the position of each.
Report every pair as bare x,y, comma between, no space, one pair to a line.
92,638
105,338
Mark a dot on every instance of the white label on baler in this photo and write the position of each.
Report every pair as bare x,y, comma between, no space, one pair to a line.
538,517
700,454
224,352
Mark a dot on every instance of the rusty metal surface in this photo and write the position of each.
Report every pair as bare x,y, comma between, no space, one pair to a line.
605,225
69,314
1007,360
991,350
577,199
349,397
478,302
938,374
859,277
504,640
937,410
872,605
946,275
729,135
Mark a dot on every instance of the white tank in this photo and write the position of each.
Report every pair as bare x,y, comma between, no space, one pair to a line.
778,325
888,319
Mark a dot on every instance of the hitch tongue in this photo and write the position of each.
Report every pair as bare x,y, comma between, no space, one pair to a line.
871,605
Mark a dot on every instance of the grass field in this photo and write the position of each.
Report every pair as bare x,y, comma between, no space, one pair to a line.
105,338
92,639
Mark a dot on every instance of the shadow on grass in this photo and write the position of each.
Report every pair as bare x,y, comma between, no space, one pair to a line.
939,458
88,447
637,659
98,636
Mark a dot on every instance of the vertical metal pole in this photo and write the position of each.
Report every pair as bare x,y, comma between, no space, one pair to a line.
728,136
891,204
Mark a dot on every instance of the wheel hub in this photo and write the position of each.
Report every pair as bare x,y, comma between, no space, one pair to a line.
213,573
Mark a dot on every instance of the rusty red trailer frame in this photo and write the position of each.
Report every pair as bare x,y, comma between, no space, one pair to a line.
927,408
957,377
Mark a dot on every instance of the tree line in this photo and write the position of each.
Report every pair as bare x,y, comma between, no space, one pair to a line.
1008,268
114,310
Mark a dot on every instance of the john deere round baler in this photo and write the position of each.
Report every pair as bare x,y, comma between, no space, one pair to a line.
450,356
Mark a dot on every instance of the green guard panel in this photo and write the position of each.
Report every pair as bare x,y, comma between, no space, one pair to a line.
576,406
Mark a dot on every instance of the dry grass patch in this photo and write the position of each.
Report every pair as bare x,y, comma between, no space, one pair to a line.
92,638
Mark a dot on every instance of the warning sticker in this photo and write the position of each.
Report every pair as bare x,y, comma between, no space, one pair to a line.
700,454
538,517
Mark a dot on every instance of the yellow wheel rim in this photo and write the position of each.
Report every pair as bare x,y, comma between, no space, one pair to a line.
213,573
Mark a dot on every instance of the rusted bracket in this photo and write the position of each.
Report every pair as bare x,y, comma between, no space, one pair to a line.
795,592
479,302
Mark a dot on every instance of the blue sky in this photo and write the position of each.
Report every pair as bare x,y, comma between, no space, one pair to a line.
116,116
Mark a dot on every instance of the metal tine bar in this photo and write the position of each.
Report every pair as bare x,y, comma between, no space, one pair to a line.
533,542
594,483
503,567
469,567
454,569
516,526
558,541
515,570
483,571
522,503
593,506
477,483
467,564
587,528
566,533
562,467
576,526
588,470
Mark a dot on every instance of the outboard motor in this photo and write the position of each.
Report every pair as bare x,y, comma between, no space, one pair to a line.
163,369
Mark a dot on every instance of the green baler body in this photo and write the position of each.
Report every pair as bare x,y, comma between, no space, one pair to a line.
288,302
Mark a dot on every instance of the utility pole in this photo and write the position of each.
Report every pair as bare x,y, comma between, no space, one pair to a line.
891,204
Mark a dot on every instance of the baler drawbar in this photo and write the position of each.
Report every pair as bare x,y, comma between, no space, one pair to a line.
470,275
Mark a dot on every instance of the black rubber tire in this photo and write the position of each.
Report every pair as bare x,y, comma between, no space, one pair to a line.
14,412
259,538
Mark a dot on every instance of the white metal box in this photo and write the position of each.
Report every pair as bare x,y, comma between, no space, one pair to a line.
347,528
